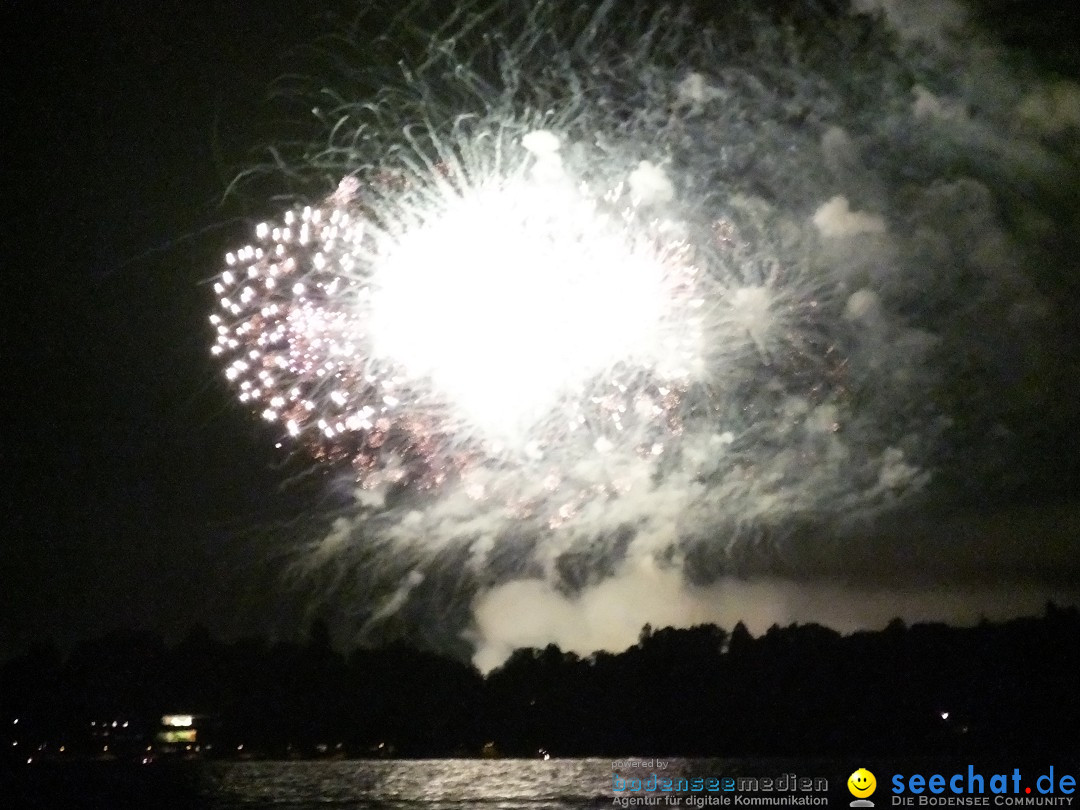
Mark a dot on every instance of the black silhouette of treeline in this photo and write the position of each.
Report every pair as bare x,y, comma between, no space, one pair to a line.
994,688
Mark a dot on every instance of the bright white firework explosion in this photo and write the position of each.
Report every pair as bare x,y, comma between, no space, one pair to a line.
472,312
601,288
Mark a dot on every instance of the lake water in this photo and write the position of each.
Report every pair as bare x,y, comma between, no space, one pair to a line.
502,784
447,784
451,784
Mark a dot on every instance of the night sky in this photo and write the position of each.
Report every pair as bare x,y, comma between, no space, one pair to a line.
126,465
136,492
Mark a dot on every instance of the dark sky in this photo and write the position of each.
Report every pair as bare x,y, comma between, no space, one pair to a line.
125,465
130,477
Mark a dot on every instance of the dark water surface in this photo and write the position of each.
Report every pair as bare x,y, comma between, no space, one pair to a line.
443,784
302,785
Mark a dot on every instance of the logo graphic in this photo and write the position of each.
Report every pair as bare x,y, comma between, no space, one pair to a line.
861,784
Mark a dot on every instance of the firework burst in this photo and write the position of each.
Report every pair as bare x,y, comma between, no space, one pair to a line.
533,307
576,284
501,306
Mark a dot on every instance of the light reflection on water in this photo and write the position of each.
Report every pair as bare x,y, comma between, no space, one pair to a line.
442,783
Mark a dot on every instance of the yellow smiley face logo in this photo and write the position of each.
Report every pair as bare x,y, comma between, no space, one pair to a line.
861,783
